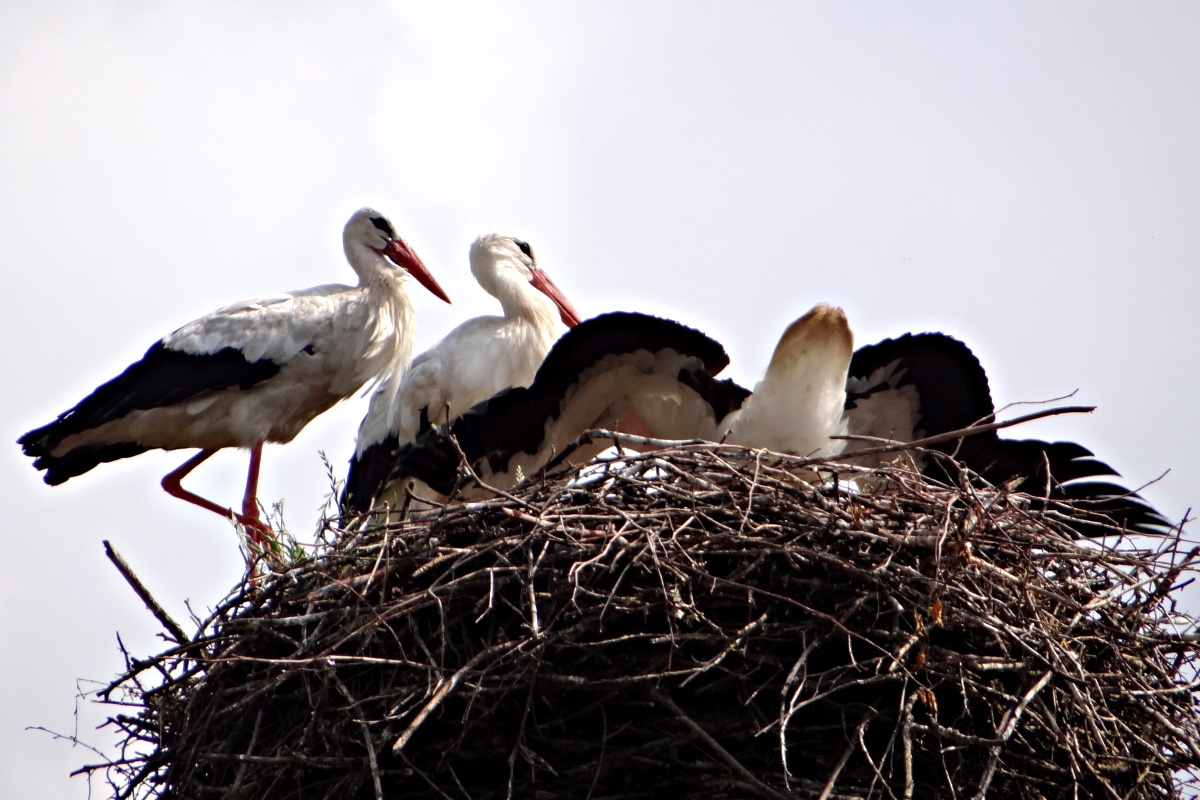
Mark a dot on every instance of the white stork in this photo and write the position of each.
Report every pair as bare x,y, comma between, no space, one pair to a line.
659,374
253,372
474,361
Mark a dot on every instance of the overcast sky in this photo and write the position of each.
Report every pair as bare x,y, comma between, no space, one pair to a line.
1024,176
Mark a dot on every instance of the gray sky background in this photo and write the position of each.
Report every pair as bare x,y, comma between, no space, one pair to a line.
1024,176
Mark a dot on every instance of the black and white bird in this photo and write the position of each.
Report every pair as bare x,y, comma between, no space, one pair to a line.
252,372
657,378
926,384
622,370
474,361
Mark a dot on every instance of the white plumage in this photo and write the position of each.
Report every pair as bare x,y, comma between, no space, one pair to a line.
248,373
800,402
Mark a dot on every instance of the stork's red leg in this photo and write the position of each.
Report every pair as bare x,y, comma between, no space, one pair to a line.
250,499
172,483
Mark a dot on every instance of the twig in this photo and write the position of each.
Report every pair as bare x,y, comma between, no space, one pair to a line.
445,687
719,751
831,781
368,742
462,457
961,433
177,634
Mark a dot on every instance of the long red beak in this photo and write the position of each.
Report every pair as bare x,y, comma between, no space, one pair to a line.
541,281
404,257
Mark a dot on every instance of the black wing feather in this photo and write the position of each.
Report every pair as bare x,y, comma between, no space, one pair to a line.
369,469
161,378
948,378
615,334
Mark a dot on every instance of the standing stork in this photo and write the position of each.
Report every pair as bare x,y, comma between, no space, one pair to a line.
252,372
474,361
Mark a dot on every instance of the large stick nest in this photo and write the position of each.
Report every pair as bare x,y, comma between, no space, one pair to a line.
687,623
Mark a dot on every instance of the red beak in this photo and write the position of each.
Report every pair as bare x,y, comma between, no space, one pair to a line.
541,281
404,257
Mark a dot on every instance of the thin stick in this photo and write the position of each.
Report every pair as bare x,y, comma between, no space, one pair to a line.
475,476
719,751
372,760
630,439
958,434
841,762
177,634
445,687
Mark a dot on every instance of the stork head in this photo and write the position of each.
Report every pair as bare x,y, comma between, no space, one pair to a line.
494,258
371,230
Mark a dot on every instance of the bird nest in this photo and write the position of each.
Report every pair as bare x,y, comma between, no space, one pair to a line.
693,622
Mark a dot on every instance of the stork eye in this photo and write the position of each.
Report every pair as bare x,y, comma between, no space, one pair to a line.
383,225
525,248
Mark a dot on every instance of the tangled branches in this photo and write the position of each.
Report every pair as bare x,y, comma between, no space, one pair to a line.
686,623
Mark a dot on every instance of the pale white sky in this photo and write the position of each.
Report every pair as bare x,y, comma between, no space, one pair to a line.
1024,176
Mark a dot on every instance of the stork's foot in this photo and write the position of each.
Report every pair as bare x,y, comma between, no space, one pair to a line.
260,533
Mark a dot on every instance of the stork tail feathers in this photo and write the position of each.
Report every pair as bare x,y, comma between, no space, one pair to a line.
162,377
